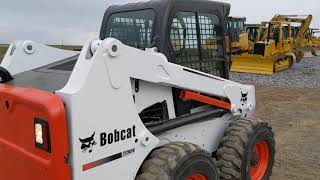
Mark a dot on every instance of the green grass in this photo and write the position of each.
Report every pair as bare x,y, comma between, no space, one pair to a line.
3,50
4,47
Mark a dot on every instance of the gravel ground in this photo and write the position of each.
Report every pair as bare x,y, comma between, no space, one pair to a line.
303,74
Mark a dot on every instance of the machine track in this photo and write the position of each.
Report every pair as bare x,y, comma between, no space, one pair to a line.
283,64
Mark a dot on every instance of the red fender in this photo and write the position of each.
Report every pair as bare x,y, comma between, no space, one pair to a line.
19,156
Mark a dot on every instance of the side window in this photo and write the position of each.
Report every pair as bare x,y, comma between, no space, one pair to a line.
132,28
212,51
197,42
183,37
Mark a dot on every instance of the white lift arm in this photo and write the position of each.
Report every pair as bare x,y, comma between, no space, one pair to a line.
23,56
124,62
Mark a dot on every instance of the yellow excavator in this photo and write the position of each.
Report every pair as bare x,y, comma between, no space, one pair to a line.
315,36
312,41
299,34
277,45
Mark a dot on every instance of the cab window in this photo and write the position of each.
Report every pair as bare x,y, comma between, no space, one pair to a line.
197,42
133,28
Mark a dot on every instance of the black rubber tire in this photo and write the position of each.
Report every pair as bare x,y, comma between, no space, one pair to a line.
5,75
178,161
234,152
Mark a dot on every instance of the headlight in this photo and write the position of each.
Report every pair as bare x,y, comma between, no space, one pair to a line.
42,134
38,132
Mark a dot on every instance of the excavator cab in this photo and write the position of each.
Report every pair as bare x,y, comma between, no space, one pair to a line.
254,34
253,31
237,35
236,27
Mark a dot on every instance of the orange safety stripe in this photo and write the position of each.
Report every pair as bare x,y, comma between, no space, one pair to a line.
189,95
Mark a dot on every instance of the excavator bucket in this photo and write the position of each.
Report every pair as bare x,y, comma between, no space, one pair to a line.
299,53
248,63
315,51
308,51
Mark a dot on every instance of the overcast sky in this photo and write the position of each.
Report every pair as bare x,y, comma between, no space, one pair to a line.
74,21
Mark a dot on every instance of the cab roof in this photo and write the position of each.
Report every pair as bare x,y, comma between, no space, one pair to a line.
252,25
163,8
164,5
237,18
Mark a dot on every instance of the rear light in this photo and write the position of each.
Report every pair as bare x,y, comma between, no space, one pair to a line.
42,134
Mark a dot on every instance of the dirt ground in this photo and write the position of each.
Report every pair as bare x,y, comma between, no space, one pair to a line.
294,113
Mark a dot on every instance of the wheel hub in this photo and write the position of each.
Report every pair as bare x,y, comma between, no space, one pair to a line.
260,160
197,176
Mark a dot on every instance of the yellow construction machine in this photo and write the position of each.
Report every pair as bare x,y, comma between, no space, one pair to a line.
312,41
273,52
277,44
315,36
253,31
237,37
254,34
299,32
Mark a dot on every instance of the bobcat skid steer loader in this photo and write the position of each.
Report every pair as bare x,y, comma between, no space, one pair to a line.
145,102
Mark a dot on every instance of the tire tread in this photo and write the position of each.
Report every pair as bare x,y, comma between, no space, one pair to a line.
232,147
165,159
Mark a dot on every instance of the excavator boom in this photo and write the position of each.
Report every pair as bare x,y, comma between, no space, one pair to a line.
305,22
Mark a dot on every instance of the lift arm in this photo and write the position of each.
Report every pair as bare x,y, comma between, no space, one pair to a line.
123,63
303,28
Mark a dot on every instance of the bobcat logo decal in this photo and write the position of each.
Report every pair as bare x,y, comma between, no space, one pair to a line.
244,97
88,143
